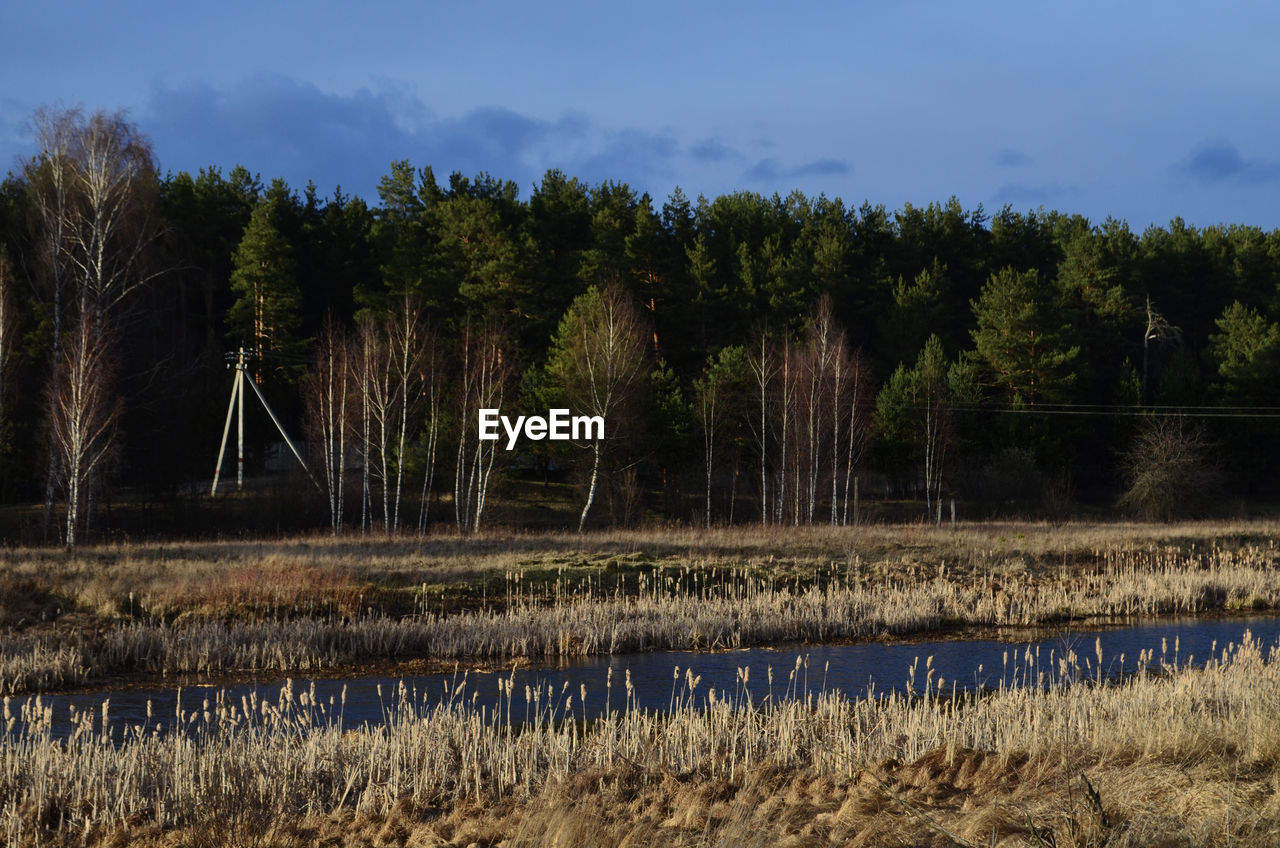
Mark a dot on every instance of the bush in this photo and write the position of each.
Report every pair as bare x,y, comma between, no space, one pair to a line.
1168,472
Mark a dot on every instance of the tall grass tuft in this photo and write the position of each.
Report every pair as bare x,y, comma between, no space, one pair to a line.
1056,762
575,611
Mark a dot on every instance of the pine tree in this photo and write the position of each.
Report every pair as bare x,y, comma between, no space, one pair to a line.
265,316
1021,338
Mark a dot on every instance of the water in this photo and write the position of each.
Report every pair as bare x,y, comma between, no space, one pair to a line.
665,679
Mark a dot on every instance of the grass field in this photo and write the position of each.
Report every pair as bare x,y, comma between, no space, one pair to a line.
1168,758
1186,757
306,605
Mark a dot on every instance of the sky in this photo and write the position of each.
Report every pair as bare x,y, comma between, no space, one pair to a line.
1140,111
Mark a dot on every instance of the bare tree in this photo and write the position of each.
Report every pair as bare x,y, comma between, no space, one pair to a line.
857,399
92,188
83,411
824,347
378,389
406,340
1158,330
1170,471
786,388
8,327
934,399
916,408
717,396
840,418
327,392
810,401
484,374
433,391
598,361
389,379
50,179
763,365
383,403
366,353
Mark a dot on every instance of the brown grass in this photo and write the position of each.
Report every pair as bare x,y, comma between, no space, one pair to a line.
1188,757
303,605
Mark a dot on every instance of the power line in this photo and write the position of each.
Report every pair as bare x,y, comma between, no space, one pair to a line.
1117,410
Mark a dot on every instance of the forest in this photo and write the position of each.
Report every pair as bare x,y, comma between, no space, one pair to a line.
767,360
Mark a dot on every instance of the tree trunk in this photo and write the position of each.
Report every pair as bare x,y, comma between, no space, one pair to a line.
591,489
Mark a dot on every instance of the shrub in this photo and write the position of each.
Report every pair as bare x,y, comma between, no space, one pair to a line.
1168,471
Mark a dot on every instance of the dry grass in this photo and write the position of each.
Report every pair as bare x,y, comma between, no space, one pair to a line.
1189,757
321,573
307,605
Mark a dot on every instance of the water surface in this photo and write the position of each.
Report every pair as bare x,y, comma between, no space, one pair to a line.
666,679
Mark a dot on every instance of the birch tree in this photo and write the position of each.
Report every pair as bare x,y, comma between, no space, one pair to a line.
717,395
8,328
93,190
763,366
83,411
916,408
406,340
856,398
367,353
484,374
328,390
786,399
598,362
379,386
824,345
433,394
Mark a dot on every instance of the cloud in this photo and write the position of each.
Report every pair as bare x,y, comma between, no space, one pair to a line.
712,150
1221,161
771,170
281,127
821,167
622,155
1010,158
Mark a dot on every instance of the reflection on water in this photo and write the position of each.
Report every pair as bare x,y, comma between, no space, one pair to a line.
669,679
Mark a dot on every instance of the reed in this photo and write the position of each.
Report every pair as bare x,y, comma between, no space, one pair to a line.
295,616
1169,756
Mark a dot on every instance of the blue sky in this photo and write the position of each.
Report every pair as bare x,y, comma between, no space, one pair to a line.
1136,110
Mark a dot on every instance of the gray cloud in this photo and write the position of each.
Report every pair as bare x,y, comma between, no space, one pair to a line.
771,170
281,127
820,167
1221,161
1010,158
623,154
712,150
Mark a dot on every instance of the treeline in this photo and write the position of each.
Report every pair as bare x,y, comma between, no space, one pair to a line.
765,359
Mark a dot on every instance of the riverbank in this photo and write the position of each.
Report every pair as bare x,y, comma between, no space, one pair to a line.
1171,757
236,610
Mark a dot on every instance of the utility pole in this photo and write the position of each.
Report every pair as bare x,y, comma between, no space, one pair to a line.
240,362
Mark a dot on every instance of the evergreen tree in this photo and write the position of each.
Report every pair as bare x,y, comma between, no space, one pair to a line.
1022,340
1246,349
265,316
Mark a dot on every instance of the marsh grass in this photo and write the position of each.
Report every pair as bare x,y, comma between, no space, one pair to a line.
1171,756
307,606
